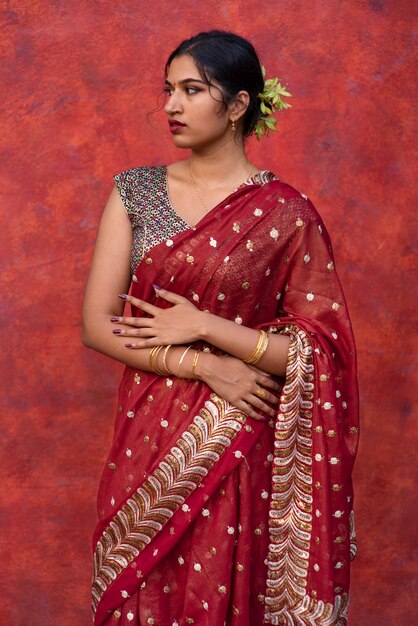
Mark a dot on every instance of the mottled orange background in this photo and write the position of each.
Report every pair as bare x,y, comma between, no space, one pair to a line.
78,79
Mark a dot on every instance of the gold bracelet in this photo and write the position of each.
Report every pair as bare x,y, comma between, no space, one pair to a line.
157,354
259,350
194,364
154,353
263,348
167,348
181,360
151,354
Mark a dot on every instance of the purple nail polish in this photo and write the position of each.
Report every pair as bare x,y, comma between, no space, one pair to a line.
117,331
123,296
129,345
114,319
156,286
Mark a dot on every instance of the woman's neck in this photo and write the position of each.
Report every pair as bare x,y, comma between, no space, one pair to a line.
219,165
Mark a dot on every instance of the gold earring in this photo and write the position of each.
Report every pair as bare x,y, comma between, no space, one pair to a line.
233,127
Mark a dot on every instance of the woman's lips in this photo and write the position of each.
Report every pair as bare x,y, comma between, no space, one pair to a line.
175,126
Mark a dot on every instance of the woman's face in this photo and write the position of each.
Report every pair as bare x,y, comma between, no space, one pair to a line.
196,119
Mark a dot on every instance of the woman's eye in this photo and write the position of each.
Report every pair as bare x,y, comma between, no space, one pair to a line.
168,91
191,90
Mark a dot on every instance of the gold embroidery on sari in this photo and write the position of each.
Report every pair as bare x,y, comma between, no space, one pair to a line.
290,524
151,506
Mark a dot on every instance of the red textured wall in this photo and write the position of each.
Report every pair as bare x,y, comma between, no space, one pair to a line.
78,79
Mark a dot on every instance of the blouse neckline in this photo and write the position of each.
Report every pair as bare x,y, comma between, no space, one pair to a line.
259,178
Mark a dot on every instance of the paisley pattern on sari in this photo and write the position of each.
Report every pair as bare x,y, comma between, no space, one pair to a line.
207,517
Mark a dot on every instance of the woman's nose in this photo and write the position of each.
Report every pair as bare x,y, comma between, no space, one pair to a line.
173,104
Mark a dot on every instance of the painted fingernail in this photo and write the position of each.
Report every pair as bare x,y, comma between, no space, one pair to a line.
117,331
156,287
114,319
129,345
123,296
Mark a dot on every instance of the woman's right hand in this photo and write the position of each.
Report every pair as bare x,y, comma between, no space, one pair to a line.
252,391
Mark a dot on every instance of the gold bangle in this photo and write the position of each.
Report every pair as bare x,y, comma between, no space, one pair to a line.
167,348
194,364
259,350
151,354
181,360
157,354
262,348
154,354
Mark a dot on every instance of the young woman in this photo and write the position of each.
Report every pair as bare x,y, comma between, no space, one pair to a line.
226,497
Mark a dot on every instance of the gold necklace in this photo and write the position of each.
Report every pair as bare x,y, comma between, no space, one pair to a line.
196,189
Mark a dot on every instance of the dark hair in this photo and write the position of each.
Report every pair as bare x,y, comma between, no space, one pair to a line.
232,62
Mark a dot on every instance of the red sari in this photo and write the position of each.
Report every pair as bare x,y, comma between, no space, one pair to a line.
210,518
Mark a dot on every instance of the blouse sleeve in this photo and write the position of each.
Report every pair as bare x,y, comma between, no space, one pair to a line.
128,185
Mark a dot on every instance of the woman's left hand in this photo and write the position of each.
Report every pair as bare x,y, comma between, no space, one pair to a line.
179,324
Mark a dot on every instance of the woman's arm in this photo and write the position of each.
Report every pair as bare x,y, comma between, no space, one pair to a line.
110,276
240,341
184,323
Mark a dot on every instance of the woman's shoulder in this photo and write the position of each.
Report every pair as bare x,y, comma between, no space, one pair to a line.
297,203
136,184
135,174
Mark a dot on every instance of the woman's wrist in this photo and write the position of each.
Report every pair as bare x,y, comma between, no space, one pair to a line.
204,366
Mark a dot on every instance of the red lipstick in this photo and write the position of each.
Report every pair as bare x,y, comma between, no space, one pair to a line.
175,126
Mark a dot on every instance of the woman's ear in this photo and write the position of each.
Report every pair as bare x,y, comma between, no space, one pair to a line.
240,105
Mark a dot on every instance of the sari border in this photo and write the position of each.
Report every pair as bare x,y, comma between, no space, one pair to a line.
287,600
153,504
